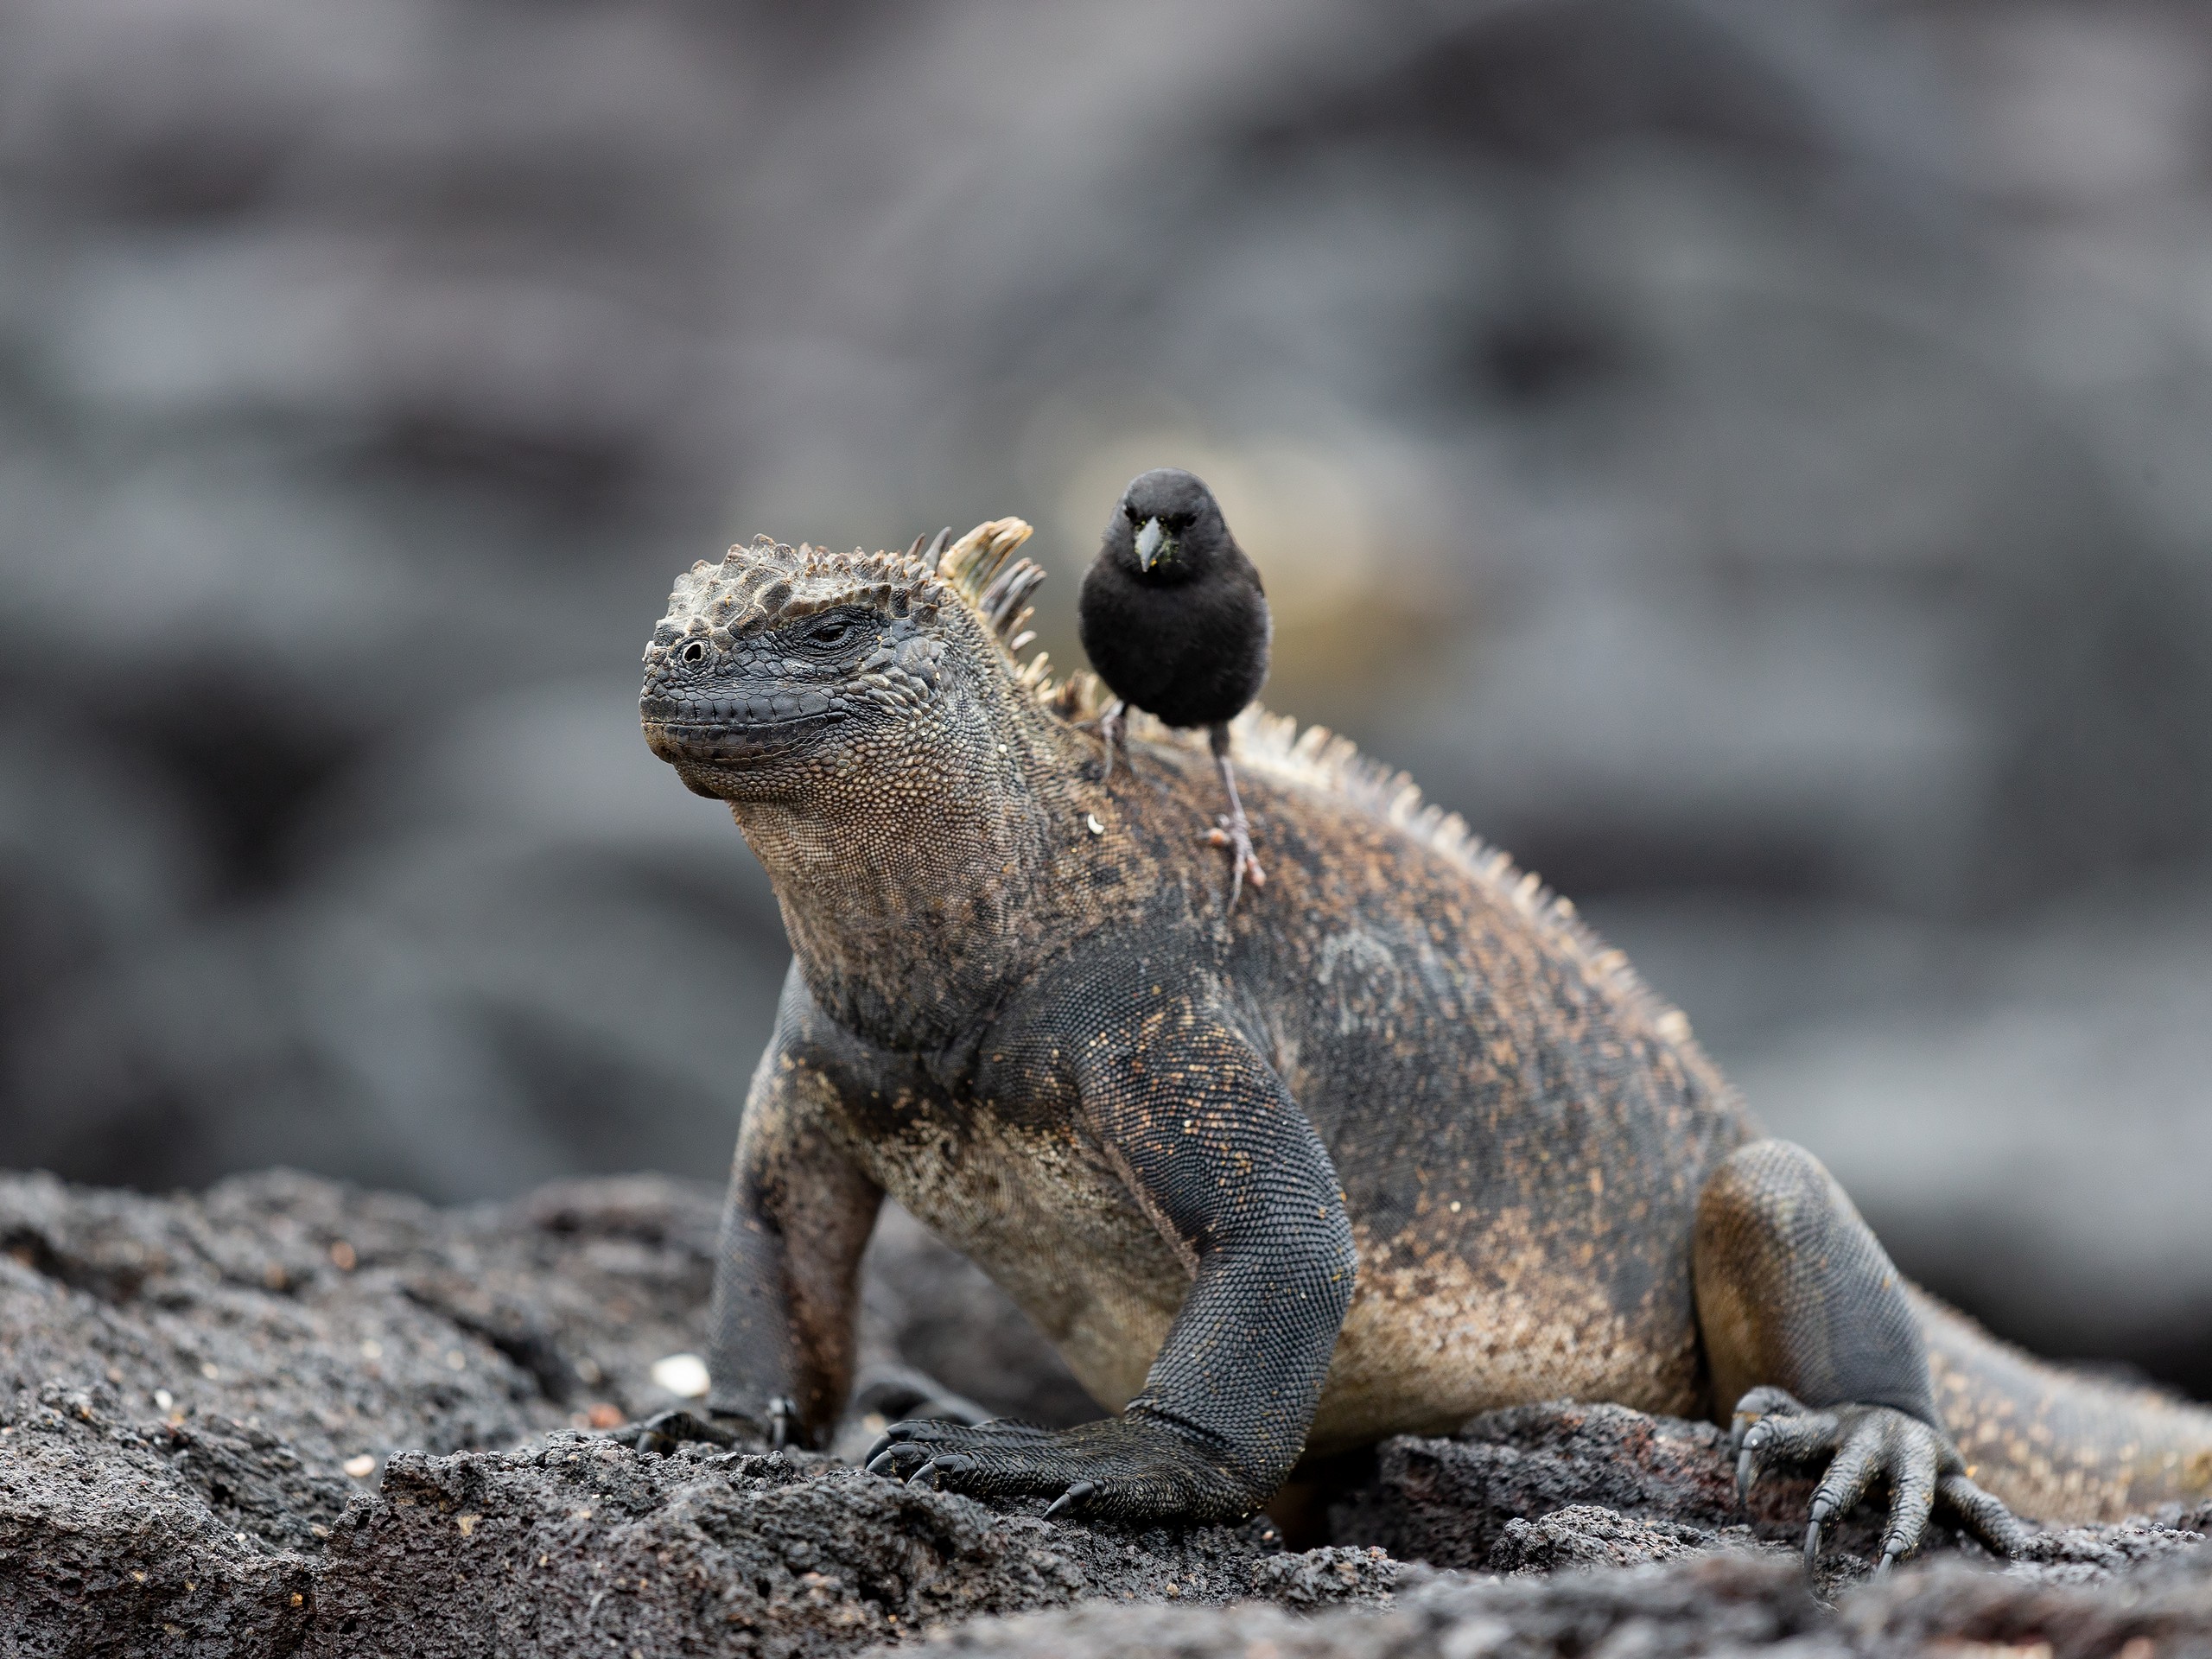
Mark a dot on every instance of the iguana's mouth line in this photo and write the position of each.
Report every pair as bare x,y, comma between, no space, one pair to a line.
738,728
726,742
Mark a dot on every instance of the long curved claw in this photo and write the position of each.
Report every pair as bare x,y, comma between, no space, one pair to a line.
1783,1433
932,1474
1067,1502
910,1451
894,1459
1851,1471
898,1463
1983,1515
1910,1456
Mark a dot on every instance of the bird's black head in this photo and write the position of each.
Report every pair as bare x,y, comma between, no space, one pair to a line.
1168,528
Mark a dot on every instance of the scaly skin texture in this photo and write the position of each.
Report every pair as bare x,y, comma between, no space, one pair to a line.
1398,1143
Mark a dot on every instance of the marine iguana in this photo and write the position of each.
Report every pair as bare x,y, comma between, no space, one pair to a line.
1403,1145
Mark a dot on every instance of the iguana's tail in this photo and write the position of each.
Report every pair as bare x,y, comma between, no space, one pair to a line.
2059,1445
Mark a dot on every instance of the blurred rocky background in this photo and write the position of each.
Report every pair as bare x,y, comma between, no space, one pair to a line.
1755,459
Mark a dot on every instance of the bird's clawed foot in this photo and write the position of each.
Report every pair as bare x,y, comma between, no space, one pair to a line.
1130,1469
1233,831
1863,1444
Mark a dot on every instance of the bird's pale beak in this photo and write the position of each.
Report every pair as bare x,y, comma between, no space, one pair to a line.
1153,544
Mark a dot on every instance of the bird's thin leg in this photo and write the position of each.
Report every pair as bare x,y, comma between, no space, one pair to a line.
1112,727
1234,831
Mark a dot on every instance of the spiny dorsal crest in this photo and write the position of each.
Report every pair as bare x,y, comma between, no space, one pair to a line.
1320,760
763,586
768,583
978,568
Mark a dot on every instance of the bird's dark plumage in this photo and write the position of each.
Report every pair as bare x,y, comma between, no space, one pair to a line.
1175,621
1187,638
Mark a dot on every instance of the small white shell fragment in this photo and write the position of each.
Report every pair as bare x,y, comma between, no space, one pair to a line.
163,1399
361,1468
1091,820
682,1375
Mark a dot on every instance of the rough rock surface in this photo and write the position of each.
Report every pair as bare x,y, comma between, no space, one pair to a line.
1467,1500
1713,1605
578,1541
288,1417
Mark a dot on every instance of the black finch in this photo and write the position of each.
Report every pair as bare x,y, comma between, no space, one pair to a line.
1176,623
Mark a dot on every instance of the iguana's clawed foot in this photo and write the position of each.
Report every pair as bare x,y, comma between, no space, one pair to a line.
1068,1502
666,1431
1865,1444
1131,1469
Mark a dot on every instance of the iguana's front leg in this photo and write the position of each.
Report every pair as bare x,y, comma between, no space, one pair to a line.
1809,1336
779,1356
1214,1150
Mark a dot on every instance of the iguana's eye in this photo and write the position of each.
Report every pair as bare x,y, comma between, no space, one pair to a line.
829,632
695,653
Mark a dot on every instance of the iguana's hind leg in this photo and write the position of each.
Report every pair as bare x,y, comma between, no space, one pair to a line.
1808,1334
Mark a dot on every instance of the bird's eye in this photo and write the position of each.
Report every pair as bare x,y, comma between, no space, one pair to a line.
695,653
1129,513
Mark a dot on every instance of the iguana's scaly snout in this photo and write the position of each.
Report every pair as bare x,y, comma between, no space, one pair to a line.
737,705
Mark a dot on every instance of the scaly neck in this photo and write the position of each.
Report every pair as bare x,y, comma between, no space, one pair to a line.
914,901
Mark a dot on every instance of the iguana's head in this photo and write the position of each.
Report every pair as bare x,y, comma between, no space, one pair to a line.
794,674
